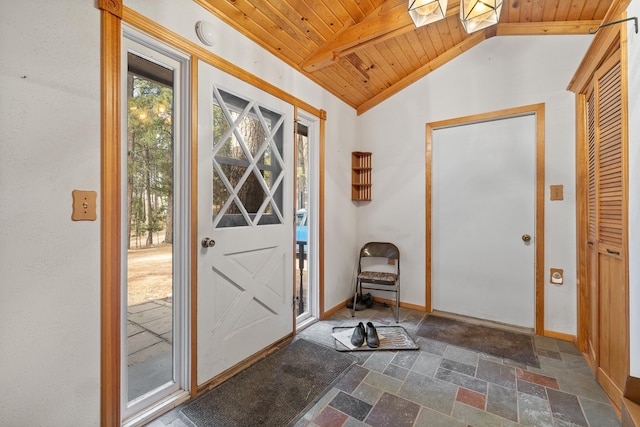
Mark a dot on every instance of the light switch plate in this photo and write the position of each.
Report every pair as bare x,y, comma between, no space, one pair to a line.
84,205
557,192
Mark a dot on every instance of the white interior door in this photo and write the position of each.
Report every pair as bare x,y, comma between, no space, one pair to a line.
245,206
483,202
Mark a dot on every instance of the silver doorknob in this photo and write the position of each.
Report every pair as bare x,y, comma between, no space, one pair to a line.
526,238
208,243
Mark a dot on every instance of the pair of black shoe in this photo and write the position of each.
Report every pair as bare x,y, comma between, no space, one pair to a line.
359,334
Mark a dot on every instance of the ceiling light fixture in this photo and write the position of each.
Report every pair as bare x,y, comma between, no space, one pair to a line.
206,32
425,12
478,14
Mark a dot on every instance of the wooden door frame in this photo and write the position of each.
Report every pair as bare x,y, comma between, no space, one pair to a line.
539,111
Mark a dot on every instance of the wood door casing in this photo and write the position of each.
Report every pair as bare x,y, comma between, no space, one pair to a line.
539,111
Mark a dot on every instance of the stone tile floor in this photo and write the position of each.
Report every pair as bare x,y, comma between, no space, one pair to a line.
445,385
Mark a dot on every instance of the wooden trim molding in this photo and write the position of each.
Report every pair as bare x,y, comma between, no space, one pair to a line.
560,335
581,222
110,216
114,7
321,161
194,228
175,40
539,111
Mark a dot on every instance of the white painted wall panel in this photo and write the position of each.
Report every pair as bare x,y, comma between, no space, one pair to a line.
500,73
49,145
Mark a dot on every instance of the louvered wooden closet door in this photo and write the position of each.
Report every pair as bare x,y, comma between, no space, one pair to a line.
611,227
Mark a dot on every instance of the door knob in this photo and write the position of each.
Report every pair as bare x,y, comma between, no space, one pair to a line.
208,243
526,238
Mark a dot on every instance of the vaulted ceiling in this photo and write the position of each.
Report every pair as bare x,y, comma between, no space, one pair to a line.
364,51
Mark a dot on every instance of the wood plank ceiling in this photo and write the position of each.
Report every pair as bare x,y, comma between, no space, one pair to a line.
364,51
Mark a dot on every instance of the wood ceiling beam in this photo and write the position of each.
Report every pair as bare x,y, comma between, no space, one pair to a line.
468,43
391,19
545,28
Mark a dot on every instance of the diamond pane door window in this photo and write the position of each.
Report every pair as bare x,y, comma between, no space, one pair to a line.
248,168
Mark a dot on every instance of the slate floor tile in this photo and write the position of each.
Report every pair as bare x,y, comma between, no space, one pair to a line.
427,364
431,418
383,382
396,372
532,389
502,401
429,392
452,365
462,380
351,406
471,398
352,379
546,343
352,422
431,346
566,407
379,361
581,385
549,353
598,413
367,393
405,359
537,378
475,417
393,411
568,347
534,411
496,373
330,417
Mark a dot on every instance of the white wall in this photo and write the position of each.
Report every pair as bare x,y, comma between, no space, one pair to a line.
50,265
500,73
634,190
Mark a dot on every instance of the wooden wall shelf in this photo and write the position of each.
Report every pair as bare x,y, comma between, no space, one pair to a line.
360,176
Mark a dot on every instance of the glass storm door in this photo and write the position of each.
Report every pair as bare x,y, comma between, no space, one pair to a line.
154,229
306,263
245,221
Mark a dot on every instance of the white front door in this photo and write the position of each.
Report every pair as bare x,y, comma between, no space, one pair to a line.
245,209
483,203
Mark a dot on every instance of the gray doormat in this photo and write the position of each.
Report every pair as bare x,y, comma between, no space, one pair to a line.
496,342
273,391
393,338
